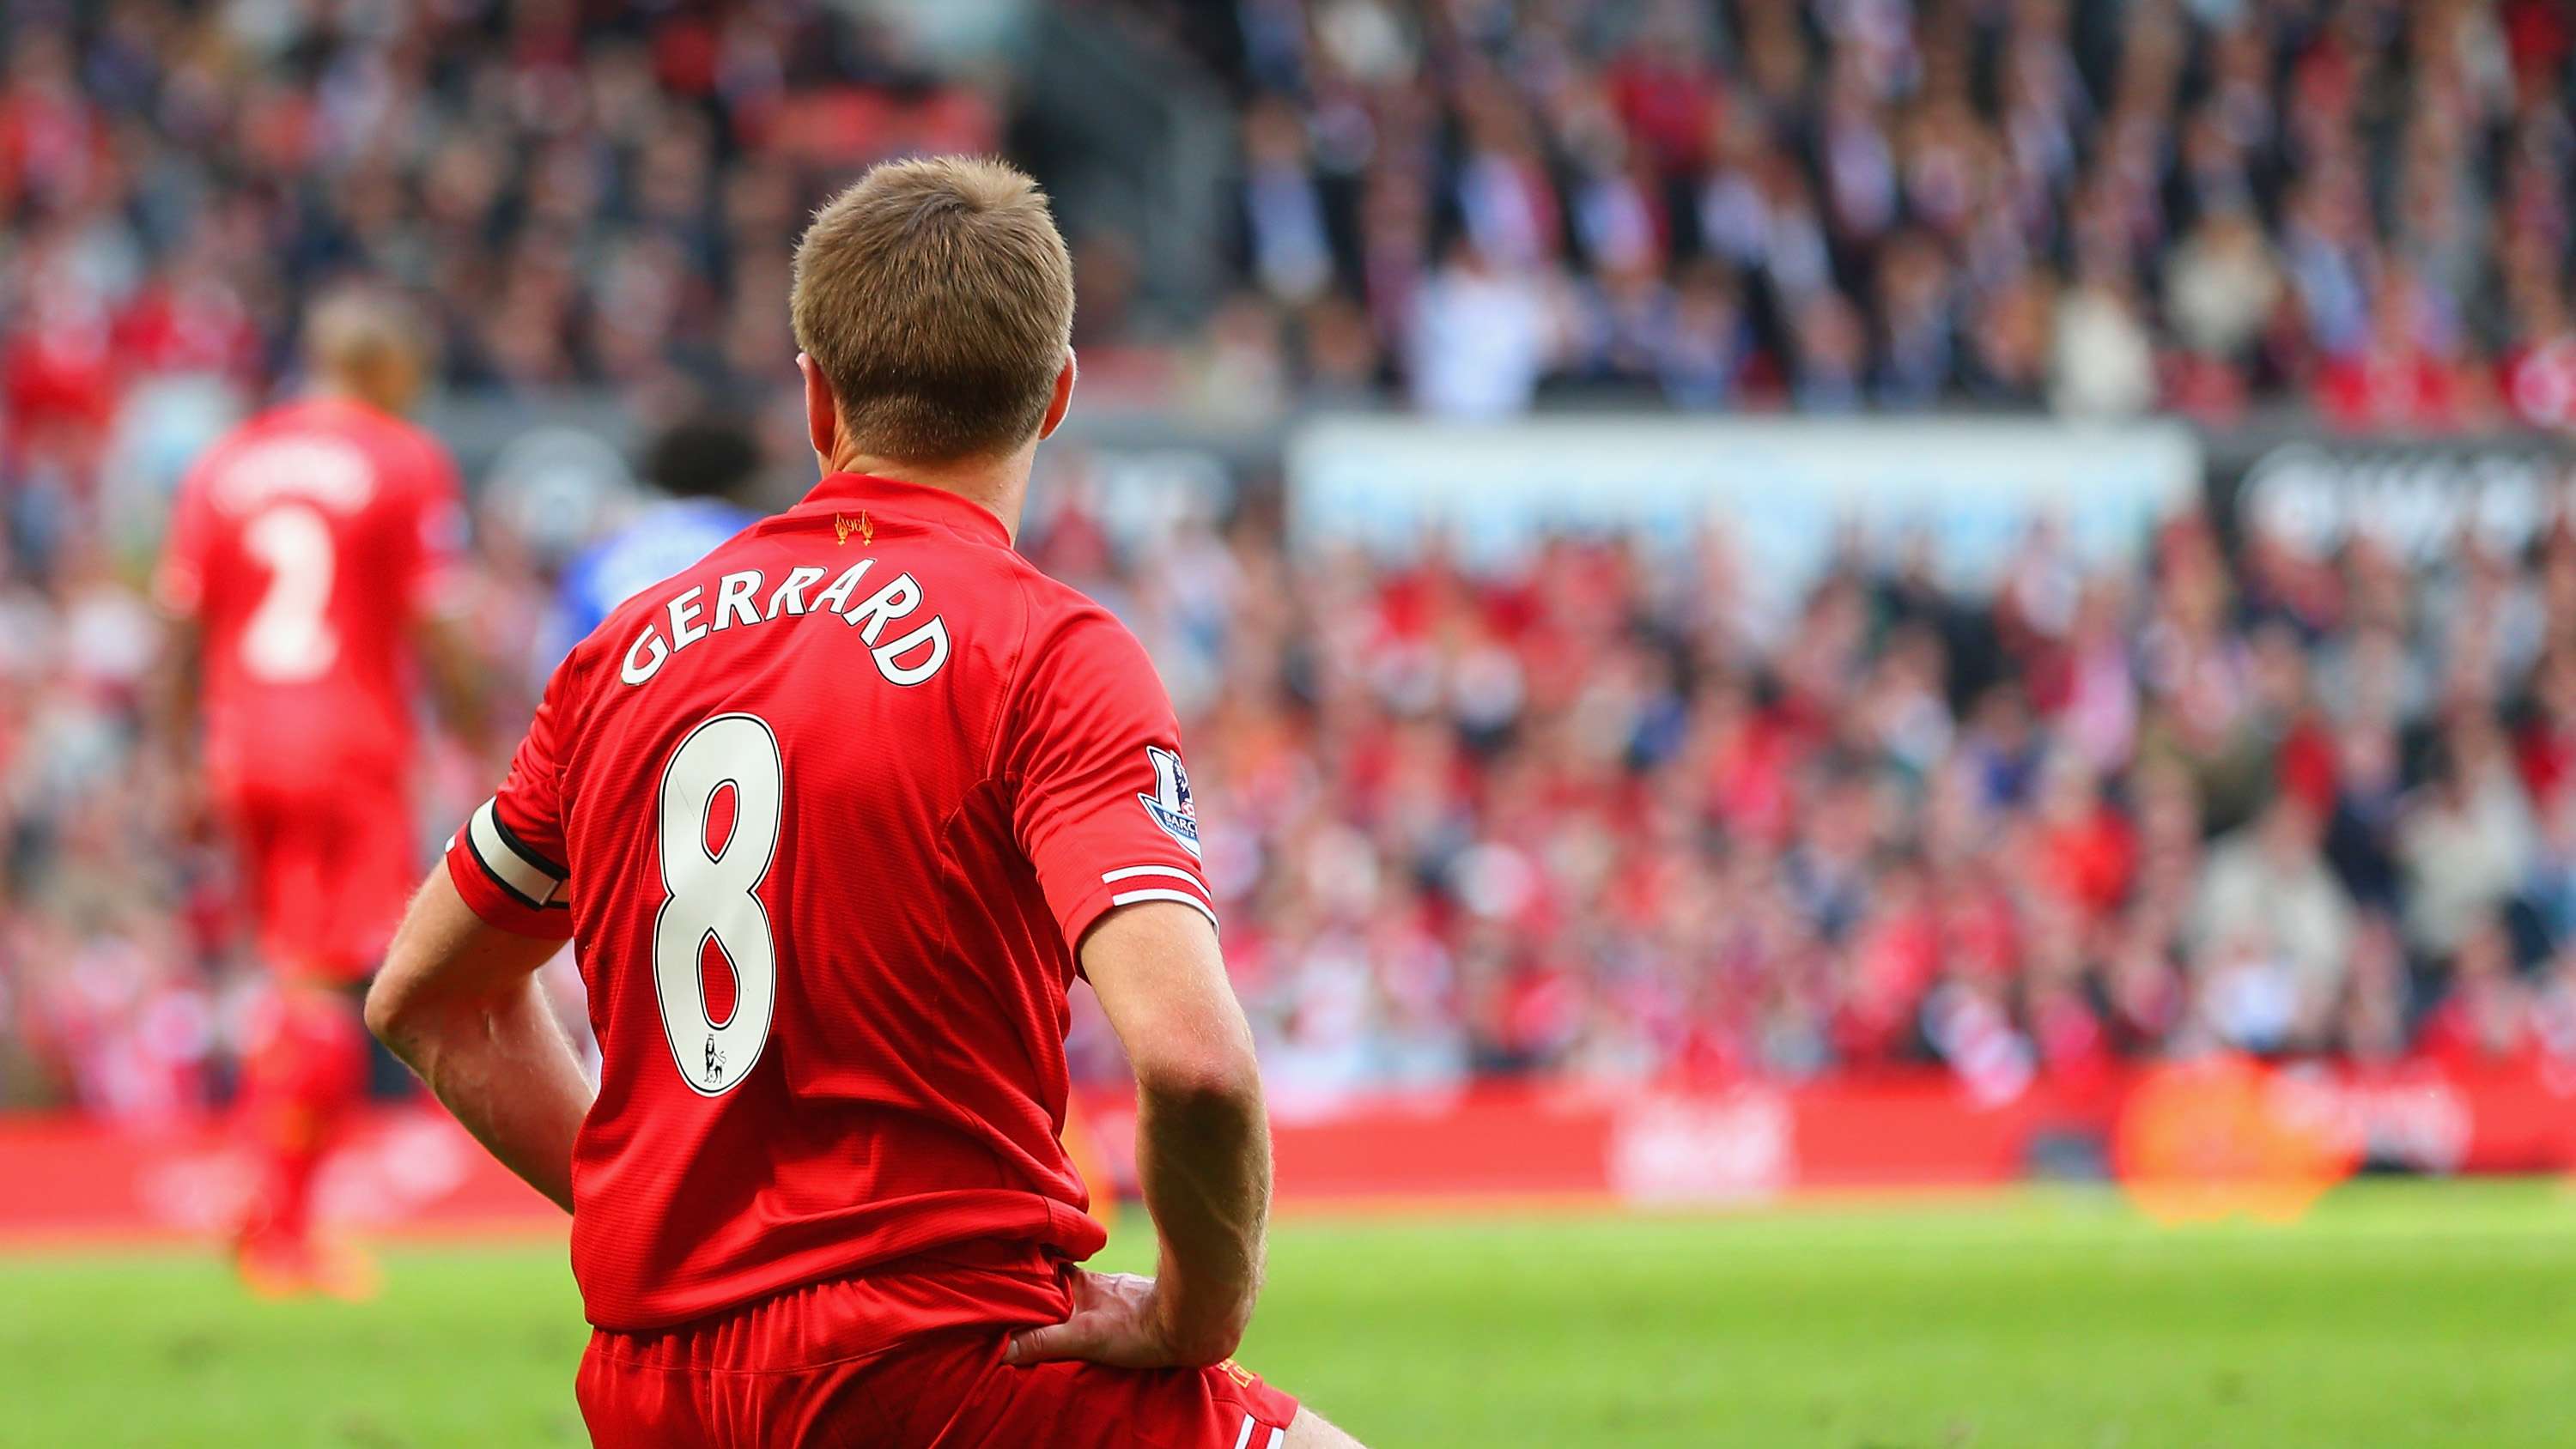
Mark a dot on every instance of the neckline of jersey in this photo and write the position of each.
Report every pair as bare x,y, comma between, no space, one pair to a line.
895,496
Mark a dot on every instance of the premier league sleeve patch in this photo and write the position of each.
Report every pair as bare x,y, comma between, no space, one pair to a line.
1170,802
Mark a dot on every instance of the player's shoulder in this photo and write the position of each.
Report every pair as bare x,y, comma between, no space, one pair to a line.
1073,642
1060,615
1078,672
270,424
218,474
404,460
400,444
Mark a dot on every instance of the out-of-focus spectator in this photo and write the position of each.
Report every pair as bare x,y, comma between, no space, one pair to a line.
2271,926
2222,290
2466,843
2102,362
1481,335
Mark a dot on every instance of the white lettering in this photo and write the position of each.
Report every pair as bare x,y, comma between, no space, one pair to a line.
320,470
934,633
733,598
890,603
634,673
907,660
790,598
837,597
685,628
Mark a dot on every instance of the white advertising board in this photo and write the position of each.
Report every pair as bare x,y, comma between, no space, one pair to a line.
1784,493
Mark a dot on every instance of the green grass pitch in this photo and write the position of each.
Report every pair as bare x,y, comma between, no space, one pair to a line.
2399,1314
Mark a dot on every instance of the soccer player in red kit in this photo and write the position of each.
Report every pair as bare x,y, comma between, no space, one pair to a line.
833,817
309,574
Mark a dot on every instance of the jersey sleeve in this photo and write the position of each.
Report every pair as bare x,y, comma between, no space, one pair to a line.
1102,803
509,861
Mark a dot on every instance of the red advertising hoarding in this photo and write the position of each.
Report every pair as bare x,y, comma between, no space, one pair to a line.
1498,1144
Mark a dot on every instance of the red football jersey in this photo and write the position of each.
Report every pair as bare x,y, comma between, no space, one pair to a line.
825,815
305,545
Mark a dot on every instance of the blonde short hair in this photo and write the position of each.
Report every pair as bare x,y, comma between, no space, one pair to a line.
366,339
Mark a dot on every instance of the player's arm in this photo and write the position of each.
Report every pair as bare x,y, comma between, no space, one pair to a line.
1102,809
172,694
455,672
177,683
1202,1149
439,593
458,1001
171,718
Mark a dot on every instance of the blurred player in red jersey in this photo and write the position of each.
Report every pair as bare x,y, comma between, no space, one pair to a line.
309,577
833,817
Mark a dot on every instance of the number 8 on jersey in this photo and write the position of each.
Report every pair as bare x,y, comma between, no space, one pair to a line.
710,880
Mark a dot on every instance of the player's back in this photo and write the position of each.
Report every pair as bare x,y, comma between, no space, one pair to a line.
305,545
831,804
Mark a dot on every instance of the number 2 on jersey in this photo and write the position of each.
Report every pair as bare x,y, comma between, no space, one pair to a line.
710,871
289,639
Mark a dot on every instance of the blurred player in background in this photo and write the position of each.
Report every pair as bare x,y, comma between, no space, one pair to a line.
835,815
704,472
311,579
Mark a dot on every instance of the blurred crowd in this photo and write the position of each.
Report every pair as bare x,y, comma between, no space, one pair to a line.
1601,816
2098,205
1597,817
578,194
2102,206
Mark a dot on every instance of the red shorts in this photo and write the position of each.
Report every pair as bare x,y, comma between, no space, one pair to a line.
813,1366
328,873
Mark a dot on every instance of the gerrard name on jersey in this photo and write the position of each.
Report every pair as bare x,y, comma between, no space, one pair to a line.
739,601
